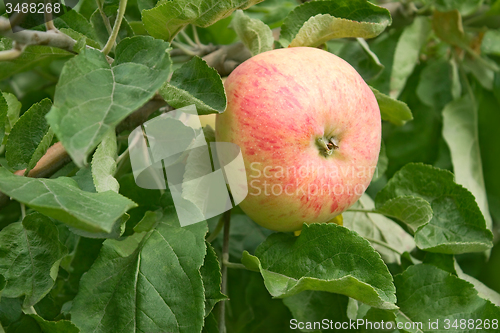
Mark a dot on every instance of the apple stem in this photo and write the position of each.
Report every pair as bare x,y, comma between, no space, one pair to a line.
327,147
334,143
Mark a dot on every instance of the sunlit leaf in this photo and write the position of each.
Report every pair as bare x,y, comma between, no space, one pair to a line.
128,290
196,83
313,23
461,135
62,199
255,34
292,264
93,96
169,17
457,225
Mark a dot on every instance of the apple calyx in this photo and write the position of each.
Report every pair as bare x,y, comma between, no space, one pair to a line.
327,148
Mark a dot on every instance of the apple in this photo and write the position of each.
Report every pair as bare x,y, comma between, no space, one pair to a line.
309,130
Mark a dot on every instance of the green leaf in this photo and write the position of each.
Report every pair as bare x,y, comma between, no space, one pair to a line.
101,30
407,53
448,27
169,17
255,34
32,56
314,23
42,148
392,110
34,323
76,22
244,235
435,85
465,7
196,83
92,96
481,71
150,282
4,108
409,325
211,325
460,131
118,228
379,228
491,42
3,282
83,178
251,308
60,326
82,40
104,164
414,211
27,143
457,225
146,4
359,55
272,12
452,299
210,272
28,252
148,221
384,46
314,306
292,264
10,310
14,108
489,136
62,199
218,33
382,163
483,291
446,262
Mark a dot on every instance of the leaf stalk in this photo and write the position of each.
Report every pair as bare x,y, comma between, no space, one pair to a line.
116,27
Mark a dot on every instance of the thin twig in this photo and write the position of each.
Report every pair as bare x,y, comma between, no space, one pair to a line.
116,27
184,48
387,246
49,24
32,37
10,54
141,115
233,265
55,157
122,156
195,36
16,19
225,259
361,211
23,211
216,231
188,39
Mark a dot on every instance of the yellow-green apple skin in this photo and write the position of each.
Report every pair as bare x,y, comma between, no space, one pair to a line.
280,103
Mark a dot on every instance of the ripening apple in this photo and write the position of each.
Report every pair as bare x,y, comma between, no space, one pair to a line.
309,129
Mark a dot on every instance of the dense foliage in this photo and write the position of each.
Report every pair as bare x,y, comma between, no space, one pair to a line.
84,249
